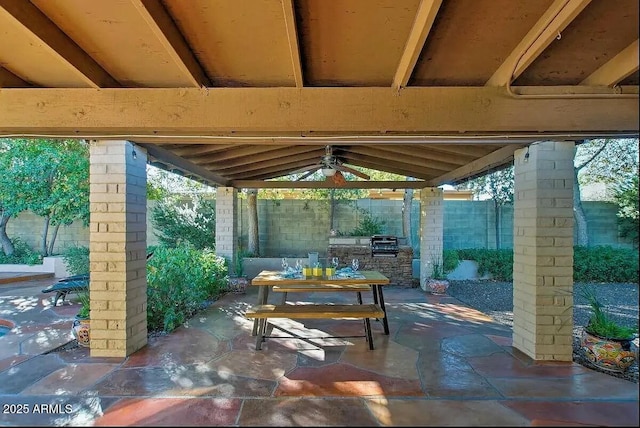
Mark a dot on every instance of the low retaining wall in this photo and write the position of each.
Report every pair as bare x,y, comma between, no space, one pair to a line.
54,265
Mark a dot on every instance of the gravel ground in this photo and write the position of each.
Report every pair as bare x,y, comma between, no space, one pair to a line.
496,299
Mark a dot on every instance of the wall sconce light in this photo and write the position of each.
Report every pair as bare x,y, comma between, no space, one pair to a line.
134,154
526,155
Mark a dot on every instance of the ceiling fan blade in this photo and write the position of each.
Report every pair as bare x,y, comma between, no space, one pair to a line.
351,171
305,169
308,173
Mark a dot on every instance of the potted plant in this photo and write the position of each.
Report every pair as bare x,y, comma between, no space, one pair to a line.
238,281
606,343
81,324
437,282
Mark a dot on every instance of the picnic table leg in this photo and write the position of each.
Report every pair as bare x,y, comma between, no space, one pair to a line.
385,323
263,295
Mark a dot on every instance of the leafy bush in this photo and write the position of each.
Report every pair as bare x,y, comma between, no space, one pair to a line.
181,221
23,254
179,281
368,226
451,259
76,259
605,264
498,263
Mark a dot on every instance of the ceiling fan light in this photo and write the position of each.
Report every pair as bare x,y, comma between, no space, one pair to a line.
328,172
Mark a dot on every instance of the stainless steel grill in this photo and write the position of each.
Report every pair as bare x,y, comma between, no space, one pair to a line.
384,246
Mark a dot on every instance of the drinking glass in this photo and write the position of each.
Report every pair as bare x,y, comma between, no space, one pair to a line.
335,262
285,264
355,264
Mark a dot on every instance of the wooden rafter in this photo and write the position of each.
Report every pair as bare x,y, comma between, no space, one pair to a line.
31,19
255,184
616,69
493,160
239,152
399,156
167,157
166,31
555,19
425,16
278,157
292,39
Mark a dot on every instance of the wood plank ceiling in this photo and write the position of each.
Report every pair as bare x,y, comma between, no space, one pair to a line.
237,93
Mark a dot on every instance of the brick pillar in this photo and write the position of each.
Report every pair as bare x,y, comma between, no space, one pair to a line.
543,251
118,245
431,230
226,222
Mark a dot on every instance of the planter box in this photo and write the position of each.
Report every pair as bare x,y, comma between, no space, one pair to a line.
54,265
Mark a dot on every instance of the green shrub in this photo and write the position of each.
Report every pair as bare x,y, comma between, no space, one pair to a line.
368,225
76,259
605,264
23,254
451,259
179,281
497,263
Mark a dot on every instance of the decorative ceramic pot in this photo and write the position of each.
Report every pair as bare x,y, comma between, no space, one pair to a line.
80,329
438,286
614,355
237,284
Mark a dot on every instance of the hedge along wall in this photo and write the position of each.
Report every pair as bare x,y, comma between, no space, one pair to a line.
292,228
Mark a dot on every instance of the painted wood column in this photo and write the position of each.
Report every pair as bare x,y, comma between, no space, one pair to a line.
226,222
431,230
118,245
543,251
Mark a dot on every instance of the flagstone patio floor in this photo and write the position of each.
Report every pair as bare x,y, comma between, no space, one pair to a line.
443,364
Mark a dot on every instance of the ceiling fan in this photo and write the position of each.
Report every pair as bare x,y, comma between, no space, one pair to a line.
330,165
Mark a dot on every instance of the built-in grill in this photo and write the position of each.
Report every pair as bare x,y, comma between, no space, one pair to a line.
384,246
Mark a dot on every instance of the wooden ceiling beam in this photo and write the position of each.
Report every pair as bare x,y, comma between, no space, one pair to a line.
32,20
425,17
193,150
235,153
550,25
167,157
319,112
258,184
270,172
356,159
170,37
292,39
616,69
277,157
491,161
409,159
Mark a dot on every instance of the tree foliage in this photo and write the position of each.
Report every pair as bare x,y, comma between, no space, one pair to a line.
626,196
185,219
50,178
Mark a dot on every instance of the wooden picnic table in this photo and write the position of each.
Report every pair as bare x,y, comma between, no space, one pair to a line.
267,279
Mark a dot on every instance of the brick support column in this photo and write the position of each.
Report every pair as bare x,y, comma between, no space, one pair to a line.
118,245
226,222
431,230
543,251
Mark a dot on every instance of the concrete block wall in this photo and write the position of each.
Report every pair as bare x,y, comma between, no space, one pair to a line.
467,224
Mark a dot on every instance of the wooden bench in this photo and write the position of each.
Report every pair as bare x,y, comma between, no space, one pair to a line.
313,288
72,284
318,311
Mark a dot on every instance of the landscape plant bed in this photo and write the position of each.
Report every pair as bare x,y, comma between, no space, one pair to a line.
495,298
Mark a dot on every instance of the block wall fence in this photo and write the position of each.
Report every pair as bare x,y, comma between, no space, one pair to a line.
291,228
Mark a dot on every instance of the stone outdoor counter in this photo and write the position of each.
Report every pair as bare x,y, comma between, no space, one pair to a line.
397,269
